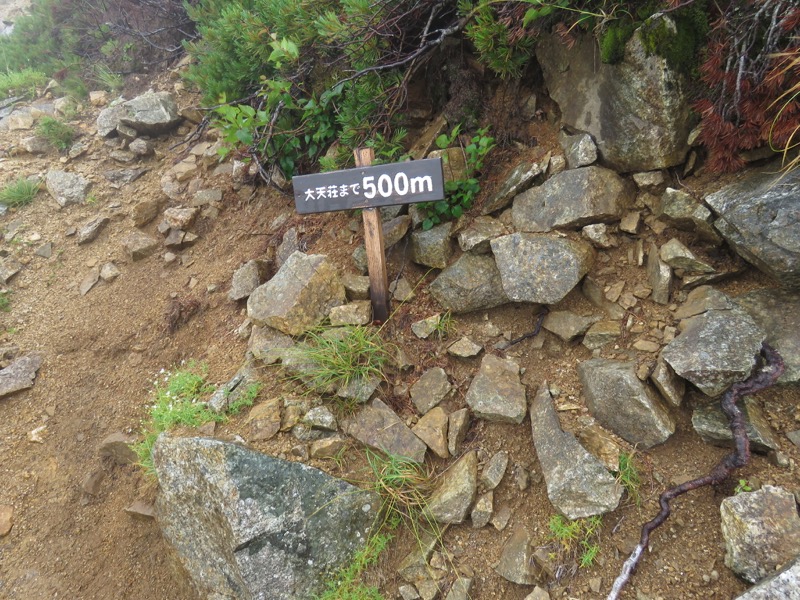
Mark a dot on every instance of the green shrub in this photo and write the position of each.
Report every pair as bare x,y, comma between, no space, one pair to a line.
19,192
56,132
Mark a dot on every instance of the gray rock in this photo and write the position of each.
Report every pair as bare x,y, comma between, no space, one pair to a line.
145,211
672,387
359,389
713,426
760,219
321,418
538,593
121,177
494,470
573,199
9,266
579,149
783,585
290,244
483,510
614,102
520,179
67,188
659,276
207,197
598,235
108,119
45,251
152,113
678,256
471,283
432,248
567,325
593,290
109,272
578,484
464,348
623,404
247,278
452,499
19,375
264,420
89,231
230,392
180,217
356,287
299,296
477,235
715,349
679,210
139,245
651,182
430,389
496,393
394,230
261,527
518,561
140,147
701,300
777,312
89,281
122,156
34,144
553,266
460,589
424,328
761,532
377,426
601,333
432,429
458,425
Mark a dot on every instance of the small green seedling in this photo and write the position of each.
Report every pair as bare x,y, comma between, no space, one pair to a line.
743,486
5,301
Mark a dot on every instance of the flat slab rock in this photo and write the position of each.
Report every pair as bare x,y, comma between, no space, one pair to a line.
578,485
713,426
783,585
246,525
715,349
377,426
19,375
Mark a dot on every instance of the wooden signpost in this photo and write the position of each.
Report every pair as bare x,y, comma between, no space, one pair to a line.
369,187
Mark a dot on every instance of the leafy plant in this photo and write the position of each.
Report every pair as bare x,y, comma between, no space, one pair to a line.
58,133
628,477
5,301
460,193
341,355
576,539
20,192
178,400
743,486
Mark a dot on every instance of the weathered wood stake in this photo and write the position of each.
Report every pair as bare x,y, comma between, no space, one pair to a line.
373,240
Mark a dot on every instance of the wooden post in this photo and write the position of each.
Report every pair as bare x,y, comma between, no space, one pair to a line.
373,240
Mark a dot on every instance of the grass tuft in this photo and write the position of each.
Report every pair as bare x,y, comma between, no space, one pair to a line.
56,132
628,477
111,81
19,192
346,583
5,301
22,83
341,355
577,540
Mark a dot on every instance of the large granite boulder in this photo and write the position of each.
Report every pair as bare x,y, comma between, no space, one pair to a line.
572,199
578,484
299,296
622,403
246,525
759,217
471,283
637,111
539,268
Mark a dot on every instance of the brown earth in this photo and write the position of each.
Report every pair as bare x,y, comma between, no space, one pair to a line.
102,352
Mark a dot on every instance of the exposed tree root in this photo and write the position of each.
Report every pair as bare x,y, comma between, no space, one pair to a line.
766,376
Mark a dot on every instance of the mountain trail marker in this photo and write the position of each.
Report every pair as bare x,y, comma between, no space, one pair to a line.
369,187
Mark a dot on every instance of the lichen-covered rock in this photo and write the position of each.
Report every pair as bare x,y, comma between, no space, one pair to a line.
246,525
783,585
714,427
152,113
496,393
247,278
299,296
453,497
67,188
761,531
432,248
572,199
520,179
552,266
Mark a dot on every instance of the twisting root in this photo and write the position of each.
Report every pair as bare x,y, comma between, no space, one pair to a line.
763,378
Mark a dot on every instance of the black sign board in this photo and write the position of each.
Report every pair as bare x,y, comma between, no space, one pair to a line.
370,187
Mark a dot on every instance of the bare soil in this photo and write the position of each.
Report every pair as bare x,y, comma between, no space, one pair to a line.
103,350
